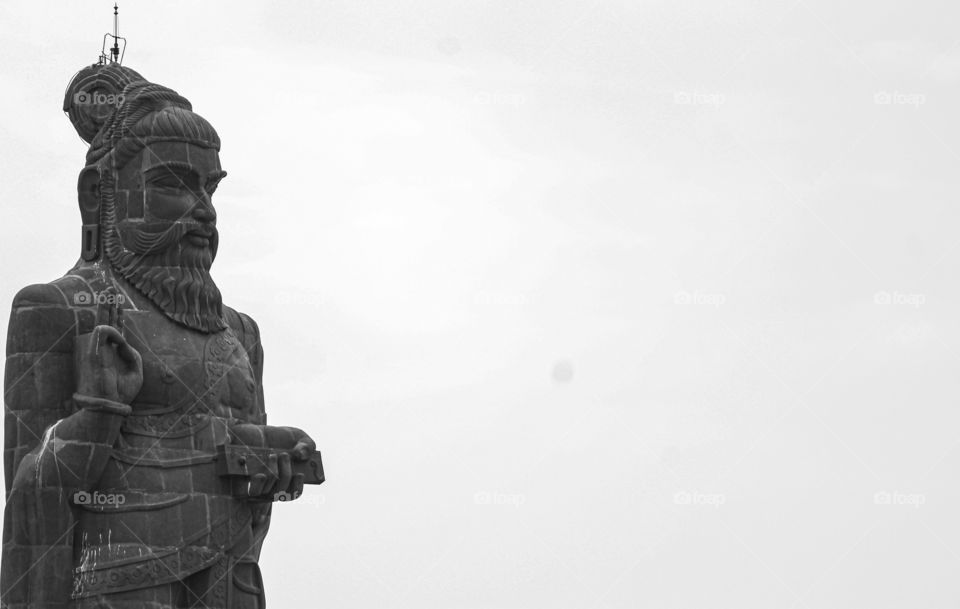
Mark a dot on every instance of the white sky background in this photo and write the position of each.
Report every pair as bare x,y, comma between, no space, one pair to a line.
698,208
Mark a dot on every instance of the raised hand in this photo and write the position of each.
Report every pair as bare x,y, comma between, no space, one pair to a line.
107,366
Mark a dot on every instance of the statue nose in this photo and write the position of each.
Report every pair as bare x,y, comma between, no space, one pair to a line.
204,210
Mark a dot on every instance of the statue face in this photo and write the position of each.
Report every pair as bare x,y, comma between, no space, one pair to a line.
167,231
168,188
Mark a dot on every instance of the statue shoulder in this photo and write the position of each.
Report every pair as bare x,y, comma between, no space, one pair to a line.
39,381
241,323
68,291
248,332
45,317
39,295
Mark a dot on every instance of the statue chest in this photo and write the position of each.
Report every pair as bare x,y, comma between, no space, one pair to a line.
188,373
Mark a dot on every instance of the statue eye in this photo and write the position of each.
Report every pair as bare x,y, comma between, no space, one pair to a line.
168,180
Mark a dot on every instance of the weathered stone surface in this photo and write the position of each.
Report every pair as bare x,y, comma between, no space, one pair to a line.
139,468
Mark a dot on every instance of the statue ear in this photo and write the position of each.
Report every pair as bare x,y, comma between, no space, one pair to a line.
88,195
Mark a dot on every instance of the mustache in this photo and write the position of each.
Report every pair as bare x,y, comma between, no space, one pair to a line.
155,237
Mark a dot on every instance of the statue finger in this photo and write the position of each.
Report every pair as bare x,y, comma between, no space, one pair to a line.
296,486
255,486
97,347
272,475
129,354
285,473
104,334
301,452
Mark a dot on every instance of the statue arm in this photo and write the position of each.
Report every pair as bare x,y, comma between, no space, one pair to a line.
257,433
61,437
74,450
39,371
54,444
249,334
288,443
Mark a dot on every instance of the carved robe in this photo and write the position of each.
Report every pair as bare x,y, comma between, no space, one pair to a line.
146,521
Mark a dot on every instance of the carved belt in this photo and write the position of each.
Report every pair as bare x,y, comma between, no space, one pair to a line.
141,572
108,569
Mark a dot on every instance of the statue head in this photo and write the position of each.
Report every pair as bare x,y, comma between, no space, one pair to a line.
146,200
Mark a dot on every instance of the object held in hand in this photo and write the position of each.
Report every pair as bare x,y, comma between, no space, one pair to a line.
241,463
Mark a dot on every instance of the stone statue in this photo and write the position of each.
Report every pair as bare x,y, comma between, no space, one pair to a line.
140,469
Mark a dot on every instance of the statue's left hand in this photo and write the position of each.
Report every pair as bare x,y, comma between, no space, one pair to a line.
290,444
291,439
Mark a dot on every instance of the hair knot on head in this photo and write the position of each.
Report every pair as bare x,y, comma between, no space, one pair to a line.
92,96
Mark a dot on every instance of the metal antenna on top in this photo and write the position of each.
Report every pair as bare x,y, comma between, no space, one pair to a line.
116,56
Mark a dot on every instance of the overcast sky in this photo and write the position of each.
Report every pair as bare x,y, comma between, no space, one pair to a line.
587,304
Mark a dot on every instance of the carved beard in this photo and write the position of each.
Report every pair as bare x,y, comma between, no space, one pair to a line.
173,273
